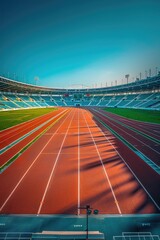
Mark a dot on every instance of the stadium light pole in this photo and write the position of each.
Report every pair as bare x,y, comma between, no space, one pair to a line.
88,212
146,74
140,76
127,77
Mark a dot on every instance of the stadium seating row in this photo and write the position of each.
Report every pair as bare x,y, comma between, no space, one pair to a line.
141,94
140,101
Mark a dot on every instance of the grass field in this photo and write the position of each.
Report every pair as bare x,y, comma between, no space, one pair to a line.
11,118
137,114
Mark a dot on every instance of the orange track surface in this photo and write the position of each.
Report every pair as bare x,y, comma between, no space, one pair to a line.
12,134
73,164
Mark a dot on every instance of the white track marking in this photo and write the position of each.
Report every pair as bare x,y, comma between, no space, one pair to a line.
104,169
132,136
156,131
78,166
130,169
16,127
54,166
19,182
142,124
17,131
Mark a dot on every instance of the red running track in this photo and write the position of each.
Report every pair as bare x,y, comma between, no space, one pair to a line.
9,136
144,136
73,164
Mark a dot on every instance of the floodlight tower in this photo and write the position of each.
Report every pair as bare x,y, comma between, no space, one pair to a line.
127,77
14,76
140,76
146,74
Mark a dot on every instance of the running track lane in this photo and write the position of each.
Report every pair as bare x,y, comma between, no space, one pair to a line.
129,195
69,179
151,129
147,146
72,164
11,134
149,178
11,152
65,185
22,192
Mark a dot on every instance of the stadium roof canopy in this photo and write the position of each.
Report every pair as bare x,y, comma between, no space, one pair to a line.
149,84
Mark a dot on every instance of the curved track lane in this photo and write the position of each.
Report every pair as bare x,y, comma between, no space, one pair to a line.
146,142
11,134
18,144
77,162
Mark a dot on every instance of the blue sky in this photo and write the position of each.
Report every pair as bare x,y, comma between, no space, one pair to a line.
79,43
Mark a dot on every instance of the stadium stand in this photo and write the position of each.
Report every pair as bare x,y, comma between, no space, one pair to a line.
141,94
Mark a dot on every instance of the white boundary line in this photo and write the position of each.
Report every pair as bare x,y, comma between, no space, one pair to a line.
129,234
78,166
104,169
17,140
19,182
19,125
14,143
129,134
54,166
19,129
130,170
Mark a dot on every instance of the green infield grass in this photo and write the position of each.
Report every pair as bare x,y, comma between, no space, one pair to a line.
11,118
137,114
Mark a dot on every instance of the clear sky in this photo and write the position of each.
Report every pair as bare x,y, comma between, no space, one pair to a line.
79,43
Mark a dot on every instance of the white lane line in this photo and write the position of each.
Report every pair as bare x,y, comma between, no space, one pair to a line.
19,182
18,127
142,126
78,166
18,140
70,153
156,131
104,169
45,153
132,136
54,166
18,131
130,169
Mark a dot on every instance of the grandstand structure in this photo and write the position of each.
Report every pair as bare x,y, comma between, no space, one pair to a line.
141,94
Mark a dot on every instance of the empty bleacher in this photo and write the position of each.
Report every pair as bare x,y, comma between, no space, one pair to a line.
47,101
114,101
141,94
85,101
8,102
95,100
105,100
141,101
